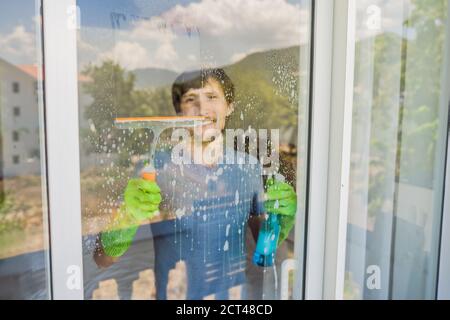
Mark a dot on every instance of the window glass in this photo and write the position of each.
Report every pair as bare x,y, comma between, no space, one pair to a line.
397,160
241,66
24,247
15,87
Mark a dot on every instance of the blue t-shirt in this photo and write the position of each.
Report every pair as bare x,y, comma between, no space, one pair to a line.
212,206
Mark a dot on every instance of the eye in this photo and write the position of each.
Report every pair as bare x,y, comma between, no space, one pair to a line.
212,97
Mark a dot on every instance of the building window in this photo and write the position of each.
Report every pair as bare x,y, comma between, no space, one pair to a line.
16,111
15,87
15,136
16,159
36,90
35,154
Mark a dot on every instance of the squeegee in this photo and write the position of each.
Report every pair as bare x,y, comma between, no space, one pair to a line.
157,125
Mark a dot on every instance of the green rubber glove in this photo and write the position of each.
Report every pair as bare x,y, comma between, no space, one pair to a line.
281,199
141,202
142,199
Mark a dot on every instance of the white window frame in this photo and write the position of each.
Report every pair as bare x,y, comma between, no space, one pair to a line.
62,147
331,121
318,151
62,133
333,57
339,147
443,278
329,66
331,124
42,147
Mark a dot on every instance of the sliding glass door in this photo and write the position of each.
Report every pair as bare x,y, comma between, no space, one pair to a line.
200,149
24,245
398,149
173,60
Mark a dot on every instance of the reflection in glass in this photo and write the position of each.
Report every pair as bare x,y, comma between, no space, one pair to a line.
154,59
399,132
23,215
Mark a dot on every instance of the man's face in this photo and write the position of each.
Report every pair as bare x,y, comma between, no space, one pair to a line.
208,101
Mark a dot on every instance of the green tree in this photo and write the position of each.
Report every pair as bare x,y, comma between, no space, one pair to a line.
114,95
403,99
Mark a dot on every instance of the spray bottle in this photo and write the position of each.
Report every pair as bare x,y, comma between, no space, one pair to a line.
269,233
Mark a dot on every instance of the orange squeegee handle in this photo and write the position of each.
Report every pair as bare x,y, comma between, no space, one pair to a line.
149,176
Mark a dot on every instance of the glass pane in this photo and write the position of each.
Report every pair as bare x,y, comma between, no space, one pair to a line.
397,160
243,68
24,247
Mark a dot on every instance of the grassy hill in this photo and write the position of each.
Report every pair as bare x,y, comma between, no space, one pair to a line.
267,88
267,96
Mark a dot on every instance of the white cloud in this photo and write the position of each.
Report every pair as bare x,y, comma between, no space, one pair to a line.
18,46
86,48
165,53
272,23
227,31
130,55
152,30
133,55
144,46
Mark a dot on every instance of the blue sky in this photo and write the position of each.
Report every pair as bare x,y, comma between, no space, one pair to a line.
231,29
16,12
228,30
96,12
17,31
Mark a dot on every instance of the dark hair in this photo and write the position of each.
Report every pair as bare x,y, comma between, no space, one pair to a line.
197,79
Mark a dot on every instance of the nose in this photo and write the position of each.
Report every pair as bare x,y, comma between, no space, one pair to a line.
206,110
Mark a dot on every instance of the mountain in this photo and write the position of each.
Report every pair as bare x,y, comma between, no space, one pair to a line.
268,88
266,63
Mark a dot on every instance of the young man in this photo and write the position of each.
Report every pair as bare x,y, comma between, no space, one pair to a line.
212,200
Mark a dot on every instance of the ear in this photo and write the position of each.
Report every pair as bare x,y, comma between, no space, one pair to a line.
230,109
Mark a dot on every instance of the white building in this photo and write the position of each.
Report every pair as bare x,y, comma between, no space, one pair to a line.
20,123
19,120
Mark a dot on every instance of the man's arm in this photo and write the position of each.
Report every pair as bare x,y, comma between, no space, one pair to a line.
141,202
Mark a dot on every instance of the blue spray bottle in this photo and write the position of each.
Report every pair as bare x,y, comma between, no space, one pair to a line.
266,246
